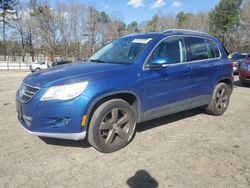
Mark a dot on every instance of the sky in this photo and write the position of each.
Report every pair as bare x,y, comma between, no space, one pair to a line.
143,10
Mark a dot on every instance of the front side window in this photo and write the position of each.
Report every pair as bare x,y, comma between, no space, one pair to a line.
197,49
173,49
124,51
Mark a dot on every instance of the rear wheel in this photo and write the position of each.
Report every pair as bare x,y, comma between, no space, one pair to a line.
220,100
112,126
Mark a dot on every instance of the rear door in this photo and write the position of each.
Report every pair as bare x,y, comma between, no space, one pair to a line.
167,89
204,56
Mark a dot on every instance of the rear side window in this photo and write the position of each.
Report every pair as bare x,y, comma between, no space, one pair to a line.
197,49
212,48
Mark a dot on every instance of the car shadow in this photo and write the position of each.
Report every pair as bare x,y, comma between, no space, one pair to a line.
139,128
238,84
68,143
142,179
168,119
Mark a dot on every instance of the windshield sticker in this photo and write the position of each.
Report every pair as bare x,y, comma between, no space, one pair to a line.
142,41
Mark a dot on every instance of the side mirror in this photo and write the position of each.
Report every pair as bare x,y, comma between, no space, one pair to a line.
160,62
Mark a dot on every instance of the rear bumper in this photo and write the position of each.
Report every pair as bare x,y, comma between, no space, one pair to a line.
68,136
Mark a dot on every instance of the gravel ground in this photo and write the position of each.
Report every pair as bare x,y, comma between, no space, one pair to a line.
188,149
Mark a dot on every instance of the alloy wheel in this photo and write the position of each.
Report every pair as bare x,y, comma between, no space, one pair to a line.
115,127
222,98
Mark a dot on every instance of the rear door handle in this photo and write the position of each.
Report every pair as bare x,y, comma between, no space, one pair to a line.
215,68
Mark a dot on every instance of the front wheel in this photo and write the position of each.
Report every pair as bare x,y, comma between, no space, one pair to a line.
112,126
220,100
37,69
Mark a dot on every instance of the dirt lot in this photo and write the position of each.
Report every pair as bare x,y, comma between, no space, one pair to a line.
189,149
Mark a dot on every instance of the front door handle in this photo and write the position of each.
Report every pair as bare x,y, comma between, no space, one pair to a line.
187,73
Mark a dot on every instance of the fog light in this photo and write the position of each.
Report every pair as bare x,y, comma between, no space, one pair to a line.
59,122
27,120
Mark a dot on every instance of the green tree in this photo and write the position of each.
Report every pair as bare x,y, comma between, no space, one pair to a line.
104,18
104,22
152,25
8,8
133,27
181,18
120,27
225,17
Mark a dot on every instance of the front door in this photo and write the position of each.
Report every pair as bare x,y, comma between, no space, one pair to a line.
167,89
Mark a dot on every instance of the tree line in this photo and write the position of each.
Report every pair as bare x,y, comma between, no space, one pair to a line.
74,30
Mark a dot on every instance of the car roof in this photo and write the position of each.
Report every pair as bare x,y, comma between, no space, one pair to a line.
171,32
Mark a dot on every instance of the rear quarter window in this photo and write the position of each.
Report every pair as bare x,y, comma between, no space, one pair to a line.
212,48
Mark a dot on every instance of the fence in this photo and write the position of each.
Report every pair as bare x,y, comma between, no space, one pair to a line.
14,65
27,58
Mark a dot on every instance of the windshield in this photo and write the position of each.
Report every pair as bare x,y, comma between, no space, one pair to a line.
124,51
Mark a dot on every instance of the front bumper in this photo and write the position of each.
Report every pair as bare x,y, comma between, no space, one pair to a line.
244,75
55,119
67,136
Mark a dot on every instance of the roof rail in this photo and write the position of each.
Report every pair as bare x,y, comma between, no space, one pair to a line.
183,30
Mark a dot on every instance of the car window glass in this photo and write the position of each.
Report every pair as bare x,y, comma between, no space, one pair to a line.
124,50
172,48
238,56
198,49
212,48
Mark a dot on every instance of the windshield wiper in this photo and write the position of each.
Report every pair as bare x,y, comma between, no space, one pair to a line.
96,60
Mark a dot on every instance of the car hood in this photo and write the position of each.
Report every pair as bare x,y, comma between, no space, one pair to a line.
74,72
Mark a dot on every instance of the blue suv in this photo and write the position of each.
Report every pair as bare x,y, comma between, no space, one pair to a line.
133,79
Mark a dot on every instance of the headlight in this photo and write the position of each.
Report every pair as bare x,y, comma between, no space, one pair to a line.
64,92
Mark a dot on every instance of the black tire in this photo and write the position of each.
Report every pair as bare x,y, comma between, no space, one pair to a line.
220,100
112,126
37,69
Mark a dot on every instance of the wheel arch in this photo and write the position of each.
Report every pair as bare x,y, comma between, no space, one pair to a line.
227,81
127,96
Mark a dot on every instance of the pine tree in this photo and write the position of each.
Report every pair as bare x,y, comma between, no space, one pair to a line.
8,7
225,17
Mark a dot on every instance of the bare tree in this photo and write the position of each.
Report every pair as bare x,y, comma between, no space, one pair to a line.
91,27
48,22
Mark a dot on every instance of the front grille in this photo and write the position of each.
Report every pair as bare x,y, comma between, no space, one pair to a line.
26,93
